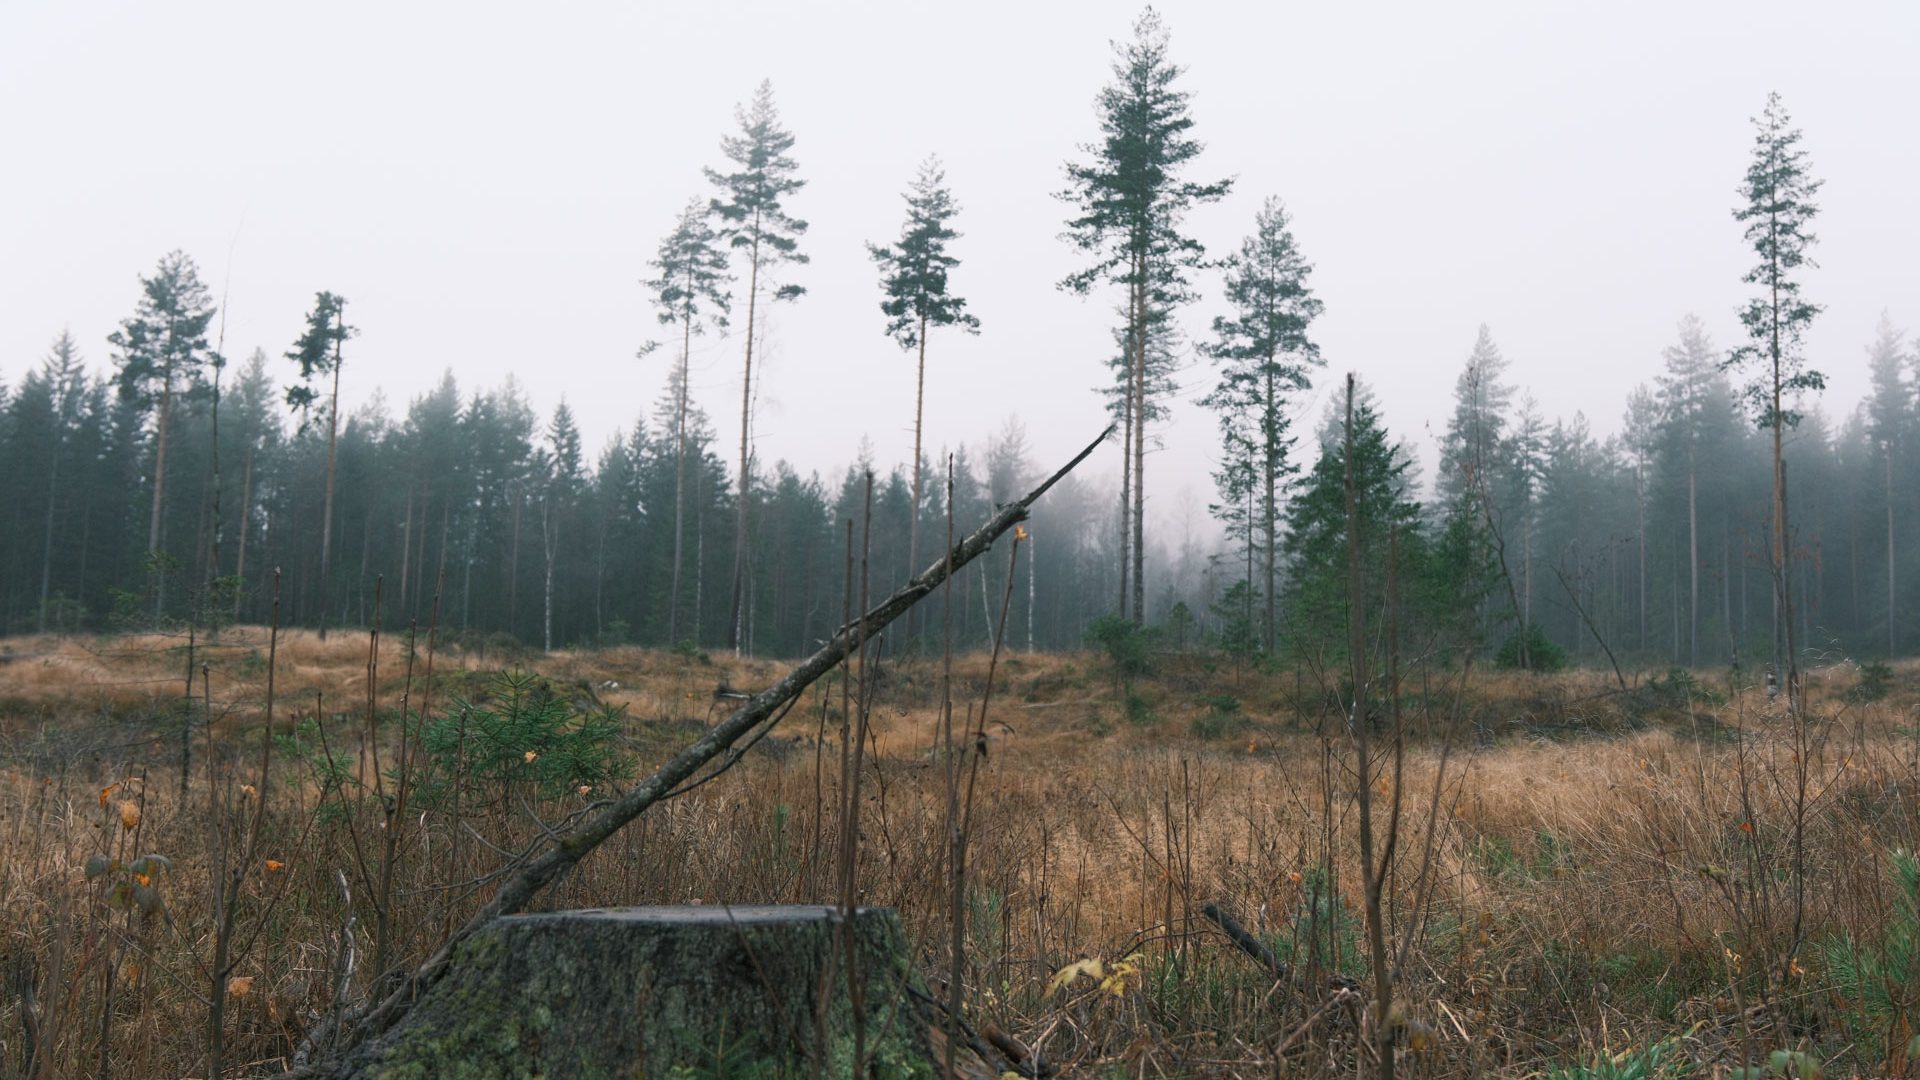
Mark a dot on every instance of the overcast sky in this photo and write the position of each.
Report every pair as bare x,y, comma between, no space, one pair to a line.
486,182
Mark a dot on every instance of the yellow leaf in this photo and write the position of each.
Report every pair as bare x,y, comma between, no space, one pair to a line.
586,789
274,866
530,755
248,791
240,985
1091,968
1118,975
107,792
129,813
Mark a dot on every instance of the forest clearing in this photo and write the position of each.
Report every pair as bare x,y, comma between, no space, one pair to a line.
1585,878
1004,558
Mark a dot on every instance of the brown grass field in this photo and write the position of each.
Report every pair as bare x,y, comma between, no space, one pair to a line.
1675,880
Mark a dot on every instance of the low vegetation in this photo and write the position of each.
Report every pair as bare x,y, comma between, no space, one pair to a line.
1668,880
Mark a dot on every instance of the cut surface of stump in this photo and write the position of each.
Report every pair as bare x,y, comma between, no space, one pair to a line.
703,991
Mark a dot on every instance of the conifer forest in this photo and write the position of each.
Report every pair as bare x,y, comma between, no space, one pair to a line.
1304,721
151,478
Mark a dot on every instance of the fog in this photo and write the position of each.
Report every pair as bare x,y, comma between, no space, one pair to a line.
486,183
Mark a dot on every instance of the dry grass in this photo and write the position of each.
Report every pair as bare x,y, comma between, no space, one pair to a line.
1606,870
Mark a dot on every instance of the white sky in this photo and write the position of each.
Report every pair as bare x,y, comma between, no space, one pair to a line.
486,182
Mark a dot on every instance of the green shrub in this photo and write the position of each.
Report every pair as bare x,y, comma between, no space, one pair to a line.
1225,704
1880,975
522,734
1139,711
1876,680
1221,719
1125,644
1541,652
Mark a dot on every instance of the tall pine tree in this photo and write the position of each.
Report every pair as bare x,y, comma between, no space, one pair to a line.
1130,204
317,353
1265,358
754,220
1777,209
916,298
160,351
692,293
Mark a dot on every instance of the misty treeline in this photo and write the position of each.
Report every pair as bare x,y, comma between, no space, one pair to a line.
1728,520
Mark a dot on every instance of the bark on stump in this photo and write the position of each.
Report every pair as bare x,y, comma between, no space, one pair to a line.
663,992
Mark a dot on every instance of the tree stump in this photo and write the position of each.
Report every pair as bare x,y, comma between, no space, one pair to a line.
659,992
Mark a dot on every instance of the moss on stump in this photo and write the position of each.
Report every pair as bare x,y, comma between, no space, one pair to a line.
656,992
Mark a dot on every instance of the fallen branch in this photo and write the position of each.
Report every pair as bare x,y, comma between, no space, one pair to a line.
568,848
1247,943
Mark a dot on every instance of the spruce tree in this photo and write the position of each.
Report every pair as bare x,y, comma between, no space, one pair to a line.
692,293
1315,541
560,471
160,350
256,427
1475,464
916,298
754,220
60,385
1265,358
1129,207
1690,390
1777,209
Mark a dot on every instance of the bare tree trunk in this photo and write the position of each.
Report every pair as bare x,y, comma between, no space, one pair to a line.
1673,609
326,506
53,493
1126,471
680,469
1891,611
1526,572
699,555
919,406
154,523
550,541
1640,509
240,540
1139,454
213,563
440,564
741,496
1782,552
466,574
1693,562
513,559
1269,467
